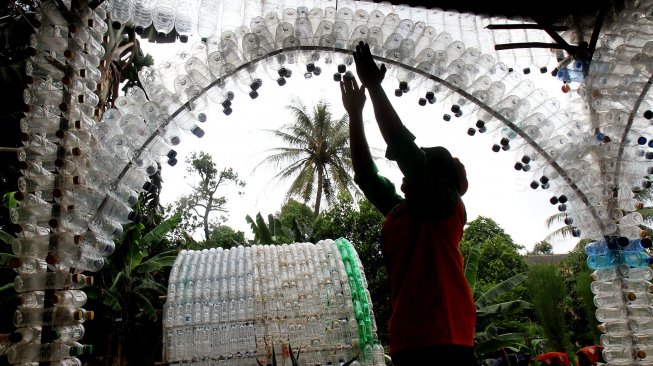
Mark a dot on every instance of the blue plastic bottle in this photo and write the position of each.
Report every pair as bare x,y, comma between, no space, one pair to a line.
616,257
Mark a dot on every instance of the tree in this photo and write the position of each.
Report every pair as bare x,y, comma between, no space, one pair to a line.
316,154
500,258
197,208
223,236
541,248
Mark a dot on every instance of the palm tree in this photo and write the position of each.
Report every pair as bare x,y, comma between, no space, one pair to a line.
316,154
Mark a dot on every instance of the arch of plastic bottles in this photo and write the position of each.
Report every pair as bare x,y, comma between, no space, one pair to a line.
82,170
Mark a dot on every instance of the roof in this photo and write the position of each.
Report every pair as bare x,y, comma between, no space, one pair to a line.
545,259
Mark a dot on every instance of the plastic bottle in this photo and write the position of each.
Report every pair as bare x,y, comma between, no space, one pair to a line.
68,332
163,16
47,281
74,298
42,352
615,257
50,316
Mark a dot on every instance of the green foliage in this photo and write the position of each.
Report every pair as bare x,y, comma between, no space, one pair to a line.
299,218
271,232
223,236
548,291
581,319
499,255
542,247
316,155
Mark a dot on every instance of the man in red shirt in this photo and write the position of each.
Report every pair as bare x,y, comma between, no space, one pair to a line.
433,311
552,359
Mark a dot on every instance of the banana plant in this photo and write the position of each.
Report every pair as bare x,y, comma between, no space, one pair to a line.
271,232
489,340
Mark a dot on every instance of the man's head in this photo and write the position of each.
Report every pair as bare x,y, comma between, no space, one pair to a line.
441,164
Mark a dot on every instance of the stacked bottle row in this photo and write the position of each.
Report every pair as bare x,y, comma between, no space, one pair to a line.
70,210
245,303
329,24
622,295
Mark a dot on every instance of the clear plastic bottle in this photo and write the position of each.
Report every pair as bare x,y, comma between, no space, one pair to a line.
615,257
163,16
48,281
30,299
51,316
68,333
41,352
74,298
43,244
25,335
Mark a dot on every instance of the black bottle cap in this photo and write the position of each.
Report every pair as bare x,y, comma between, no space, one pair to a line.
471,131
480,124
576,233
568,220
281,81
553,200
430,96
527,70
183,39
317,71
197,131
446,117
544,179
342,68
174,140
171,154
337,77
398,92
422,101
562,198
455,108
226,103
623,241
648,114
172,161
403,86
253,94
310,67
504,141
227,111
256,84
525,159
496,148
202,117
518,166
505,147
283,72
527,168
543,70
561,207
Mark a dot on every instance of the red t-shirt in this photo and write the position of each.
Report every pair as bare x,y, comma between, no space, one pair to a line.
432,303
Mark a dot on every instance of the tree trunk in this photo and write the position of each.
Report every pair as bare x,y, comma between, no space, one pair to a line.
318,199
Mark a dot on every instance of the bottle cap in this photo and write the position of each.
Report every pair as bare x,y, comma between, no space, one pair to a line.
55,299
631,296
90,315
78,278
88,349
78,315
90,280
15,337
646,242
641,354
51,259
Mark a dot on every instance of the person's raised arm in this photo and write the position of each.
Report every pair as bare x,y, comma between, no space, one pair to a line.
371,77
353,99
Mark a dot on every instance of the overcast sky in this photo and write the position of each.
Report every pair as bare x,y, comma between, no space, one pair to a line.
496,190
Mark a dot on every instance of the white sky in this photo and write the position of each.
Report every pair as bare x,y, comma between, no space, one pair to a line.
496,190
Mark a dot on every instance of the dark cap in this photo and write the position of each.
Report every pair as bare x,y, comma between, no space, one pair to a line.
440,162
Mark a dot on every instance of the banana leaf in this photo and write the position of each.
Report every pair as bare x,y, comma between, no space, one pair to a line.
159,261
500,289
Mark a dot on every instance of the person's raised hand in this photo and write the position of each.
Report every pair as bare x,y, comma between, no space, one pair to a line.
368,71
353,97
